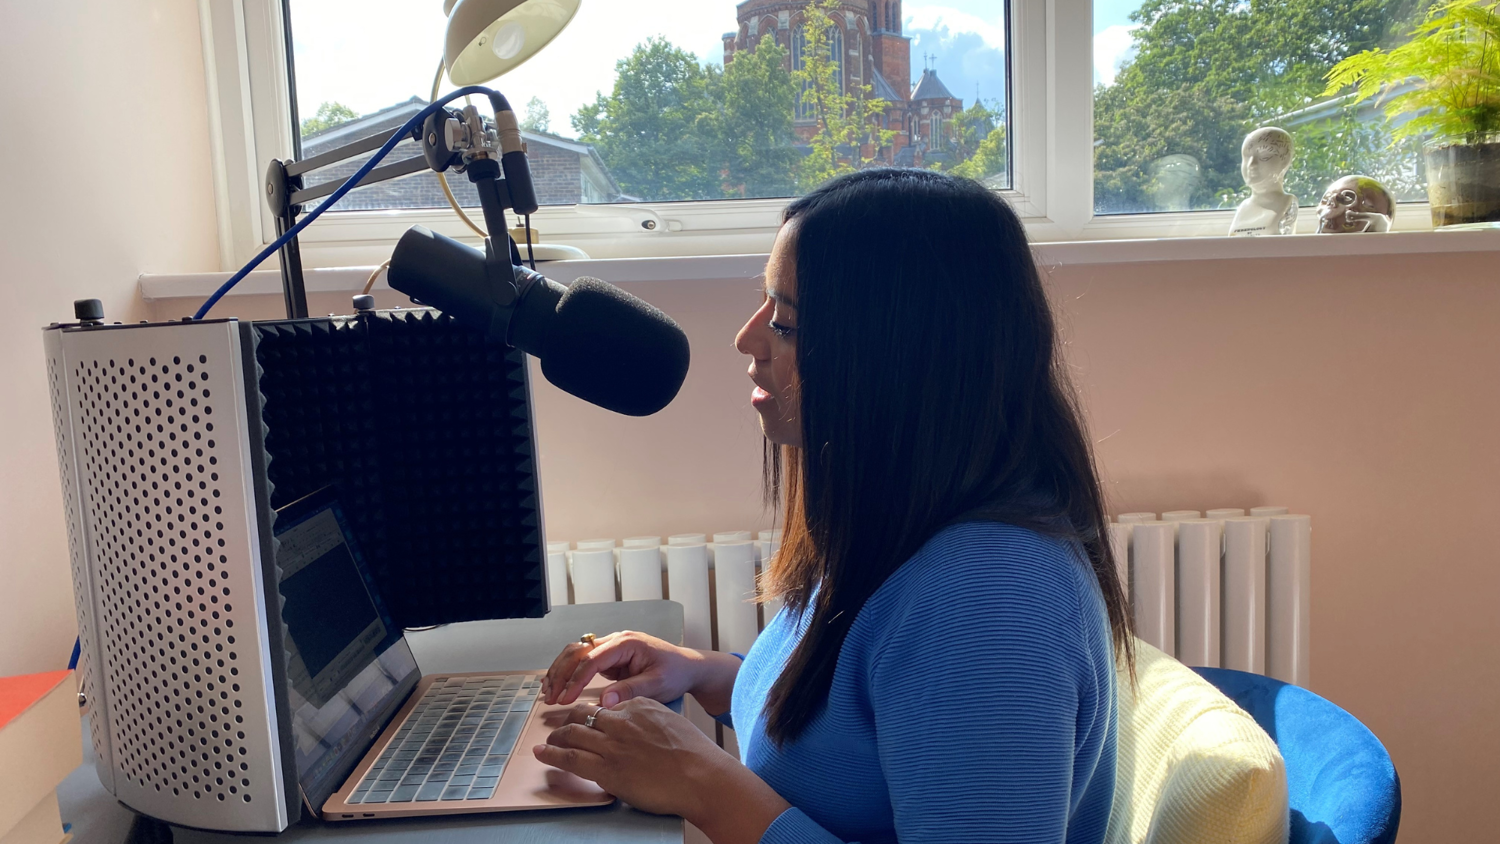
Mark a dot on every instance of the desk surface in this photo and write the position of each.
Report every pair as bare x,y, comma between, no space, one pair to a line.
508,645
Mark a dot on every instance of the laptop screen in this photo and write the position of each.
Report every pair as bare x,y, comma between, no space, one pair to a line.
348,667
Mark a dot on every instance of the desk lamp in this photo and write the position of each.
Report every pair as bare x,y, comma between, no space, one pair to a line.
489,38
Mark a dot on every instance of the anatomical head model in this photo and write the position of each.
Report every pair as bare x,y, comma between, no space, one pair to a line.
1265,158
1355,204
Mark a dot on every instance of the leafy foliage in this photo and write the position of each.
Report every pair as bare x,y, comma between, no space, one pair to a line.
847,116
674,129
649,129
752,127
1454,59
977,142
1206,72
990,161
671,128
538,116
328,116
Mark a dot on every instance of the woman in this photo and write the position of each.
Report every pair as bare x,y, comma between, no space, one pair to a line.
944,667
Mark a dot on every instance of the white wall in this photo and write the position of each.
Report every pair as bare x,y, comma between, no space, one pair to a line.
105,175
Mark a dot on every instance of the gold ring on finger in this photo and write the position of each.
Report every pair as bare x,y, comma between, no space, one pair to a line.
587,639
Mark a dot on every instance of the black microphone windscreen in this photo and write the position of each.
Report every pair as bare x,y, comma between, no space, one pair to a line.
614,350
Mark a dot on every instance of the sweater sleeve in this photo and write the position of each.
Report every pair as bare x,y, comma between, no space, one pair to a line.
975,688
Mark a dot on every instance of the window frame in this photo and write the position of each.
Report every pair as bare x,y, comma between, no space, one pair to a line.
1050,108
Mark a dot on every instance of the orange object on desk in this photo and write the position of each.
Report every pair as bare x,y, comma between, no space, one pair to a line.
40,744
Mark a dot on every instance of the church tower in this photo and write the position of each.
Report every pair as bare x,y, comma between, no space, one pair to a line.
872,50
890,50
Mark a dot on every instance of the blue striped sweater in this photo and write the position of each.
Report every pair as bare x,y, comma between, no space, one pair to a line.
973,701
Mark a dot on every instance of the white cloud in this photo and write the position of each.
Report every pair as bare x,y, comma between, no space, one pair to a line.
1113,46
956,21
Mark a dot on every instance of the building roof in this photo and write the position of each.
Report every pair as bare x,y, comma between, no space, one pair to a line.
384,121
932,88
388,119
884,91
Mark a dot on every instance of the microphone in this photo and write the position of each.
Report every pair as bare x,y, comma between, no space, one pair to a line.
594,340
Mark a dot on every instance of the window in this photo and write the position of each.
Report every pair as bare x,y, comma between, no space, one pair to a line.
679,127
1179,84
646,101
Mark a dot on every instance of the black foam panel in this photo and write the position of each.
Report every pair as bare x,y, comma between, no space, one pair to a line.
425,428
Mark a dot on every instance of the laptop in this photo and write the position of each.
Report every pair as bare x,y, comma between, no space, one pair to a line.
374,738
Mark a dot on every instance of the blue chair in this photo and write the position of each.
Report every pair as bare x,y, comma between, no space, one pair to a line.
1342,785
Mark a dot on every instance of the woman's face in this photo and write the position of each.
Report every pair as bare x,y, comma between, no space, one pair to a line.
770,339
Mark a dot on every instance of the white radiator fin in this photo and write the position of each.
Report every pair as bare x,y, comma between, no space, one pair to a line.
1230,591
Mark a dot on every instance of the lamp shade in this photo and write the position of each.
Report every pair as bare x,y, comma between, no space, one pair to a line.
487,38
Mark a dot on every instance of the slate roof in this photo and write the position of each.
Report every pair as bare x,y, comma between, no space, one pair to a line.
932,88
884,91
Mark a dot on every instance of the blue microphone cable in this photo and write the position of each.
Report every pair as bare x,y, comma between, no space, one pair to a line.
415,121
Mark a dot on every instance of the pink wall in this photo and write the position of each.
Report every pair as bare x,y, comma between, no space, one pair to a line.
83,220
1361,391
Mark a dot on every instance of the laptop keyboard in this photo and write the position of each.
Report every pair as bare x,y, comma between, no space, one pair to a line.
455,743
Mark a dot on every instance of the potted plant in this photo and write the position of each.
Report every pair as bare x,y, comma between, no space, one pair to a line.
1443,85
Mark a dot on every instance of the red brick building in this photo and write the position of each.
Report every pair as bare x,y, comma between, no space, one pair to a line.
868,44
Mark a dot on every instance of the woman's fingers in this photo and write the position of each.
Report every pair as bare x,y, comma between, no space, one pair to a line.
641,685
602,716
578,736
588,765
561,669
603,657
564,665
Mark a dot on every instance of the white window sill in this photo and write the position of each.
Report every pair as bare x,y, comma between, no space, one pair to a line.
156,287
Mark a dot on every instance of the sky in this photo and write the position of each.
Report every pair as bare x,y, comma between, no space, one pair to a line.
369,54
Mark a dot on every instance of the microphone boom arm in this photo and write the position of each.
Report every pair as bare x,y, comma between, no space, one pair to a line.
490,153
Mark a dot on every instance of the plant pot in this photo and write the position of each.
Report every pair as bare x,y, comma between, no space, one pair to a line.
1463,181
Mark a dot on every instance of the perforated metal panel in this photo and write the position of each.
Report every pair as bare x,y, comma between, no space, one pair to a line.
83,606
165,498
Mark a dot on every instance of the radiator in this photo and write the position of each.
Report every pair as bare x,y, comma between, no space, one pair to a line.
1219,589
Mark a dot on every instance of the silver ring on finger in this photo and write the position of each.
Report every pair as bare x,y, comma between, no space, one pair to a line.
589,721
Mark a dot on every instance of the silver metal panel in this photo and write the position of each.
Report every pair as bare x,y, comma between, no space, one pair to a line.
158,421
78,555
536,478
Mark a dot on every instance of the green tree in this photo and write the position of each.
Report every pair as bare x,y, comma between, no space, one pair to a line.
990,158
976,142
538,116
650,129
328,116
847,116
1207,71
752,126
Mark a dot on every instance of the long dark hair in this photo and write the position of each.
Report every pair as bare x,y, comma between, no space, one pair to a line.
932,391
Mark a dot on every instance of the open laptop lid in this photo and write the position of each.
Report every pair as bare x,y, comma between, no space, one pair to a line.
348,667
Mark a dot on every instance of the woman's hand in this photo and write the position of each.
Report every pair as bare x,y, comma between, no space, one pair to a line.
656,760
642,666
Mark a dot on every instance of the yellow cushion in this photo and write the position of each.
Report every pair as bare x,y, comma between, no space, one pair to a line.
1192,767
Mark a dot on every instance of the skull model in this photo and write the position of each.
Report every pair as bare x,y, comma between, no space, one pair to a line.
1355,204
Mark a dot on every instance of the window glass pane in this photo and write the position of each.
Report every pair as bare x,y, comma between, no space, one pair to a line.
1180,83
659,100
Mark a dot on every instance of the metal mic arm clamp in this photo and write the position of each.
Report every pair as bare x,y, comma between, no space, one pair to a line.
468,144
460,140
